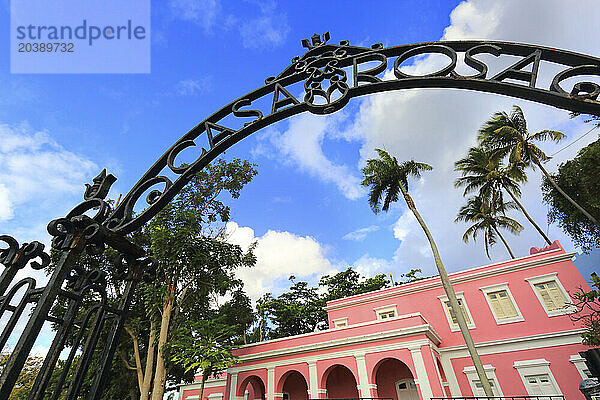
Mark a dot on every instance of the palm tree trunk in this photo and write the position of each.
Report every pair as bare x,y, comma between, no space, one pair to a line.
451,297
504,241
202,386
566,196
527,215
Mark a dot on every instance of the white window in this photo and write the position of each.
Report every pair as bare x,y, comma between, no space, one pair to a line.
340,322
476,386
537,377
502,303
551,294
579,363
386,312
539,385
406,389
452,321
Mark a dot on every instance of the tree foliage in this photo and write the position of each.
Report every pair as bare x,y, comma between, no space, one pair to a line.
300,309
387,179
194,278
580,178
26,377
487,216
588,312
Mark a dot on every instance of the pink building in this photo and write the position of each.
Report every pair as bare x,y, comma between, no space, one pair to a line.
403,343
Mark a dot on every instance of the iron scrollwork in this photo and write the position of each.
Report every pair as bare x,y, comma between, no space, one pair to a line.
70,284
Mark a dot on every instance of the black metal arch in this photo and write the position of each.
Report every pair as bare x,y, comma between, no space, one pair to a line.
327,90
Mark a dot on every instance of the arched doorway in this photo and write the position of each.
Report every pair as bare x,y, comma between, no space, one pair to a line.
294,386
252,388
395,380
340,383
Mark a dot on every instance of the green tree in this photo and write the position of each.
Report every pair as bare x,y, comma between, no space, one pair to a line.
579,178
487,218
350,283
482,170
387,179
202,346
26,377
588,312
300,309
196,262
507,135
294,312
196,266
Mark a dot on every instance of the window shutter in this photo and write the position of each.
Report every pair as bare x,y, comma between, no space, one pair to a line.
543,291
556,295
507,305
453,316
496,307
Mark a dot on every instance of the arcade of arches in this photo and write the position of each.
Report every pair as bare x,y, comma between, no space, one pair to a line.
389,378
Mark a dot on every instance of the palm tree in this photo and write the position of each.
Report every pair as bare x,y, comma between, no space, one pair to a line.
387,180
508,136
483,170
486,218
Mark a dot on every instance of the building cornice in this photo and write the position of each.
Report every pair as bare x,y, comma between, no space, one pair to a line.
560,338
425,329
434,282
326,331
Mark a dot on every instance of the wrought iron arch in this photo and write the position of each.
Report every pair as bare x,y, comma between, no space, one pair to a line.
322,72
327,90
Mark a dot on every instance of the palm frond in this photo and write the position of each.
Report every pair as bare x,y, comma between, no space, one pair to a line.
546,134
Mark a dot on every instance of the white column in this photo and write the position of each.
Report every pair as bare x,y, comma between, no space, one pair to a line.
422,378
271,383
363,378
233,386
313,380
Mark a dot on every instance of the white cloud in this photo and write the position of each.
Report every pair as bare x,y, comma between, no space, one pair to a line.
193,87
6,206
301,145
37,175
266,29
279,255
369,266
437,126
360,234
202,12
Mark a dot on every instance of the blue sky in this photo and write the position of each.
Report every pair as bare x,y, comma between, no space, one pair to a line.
306,208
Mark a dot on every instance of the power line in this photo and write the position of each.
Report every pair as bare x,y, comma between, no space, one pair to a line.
574,141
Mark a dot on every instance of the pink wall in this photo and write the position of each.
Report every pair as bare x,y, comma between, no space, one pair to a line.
374,359
283,371
564,372
325,367
422,297
432,372
254,382
409,300
207,391
340,383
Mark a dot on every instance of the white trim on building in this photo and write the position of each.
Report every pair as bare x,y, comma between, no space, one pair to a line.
499,305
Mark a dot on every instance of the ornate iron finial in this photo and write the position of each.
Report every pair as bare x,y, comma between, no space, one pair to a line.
101,186
316,41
